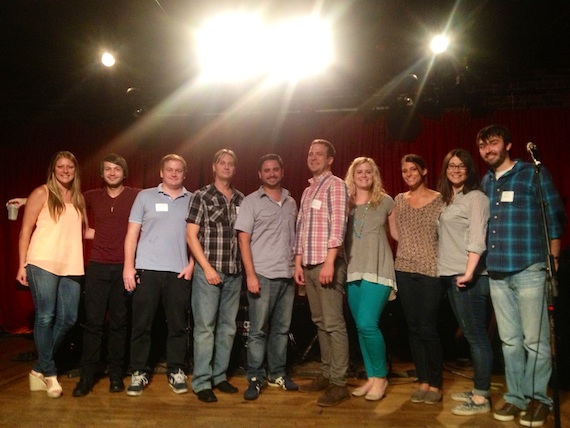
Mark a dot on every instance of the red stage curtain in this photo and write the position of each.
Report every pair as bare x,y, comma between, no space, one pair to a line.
25,151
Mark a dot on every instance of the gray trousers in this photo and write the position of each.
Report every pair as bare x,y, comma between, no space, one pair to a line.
326,303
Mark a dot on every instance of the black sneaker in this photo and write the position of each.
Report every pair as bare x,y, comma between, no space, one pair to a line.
177,382
254,389
284,382
138,381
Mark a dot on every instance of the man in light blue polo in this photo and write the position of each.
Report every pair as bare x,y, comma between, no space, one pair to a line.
266,225
160,271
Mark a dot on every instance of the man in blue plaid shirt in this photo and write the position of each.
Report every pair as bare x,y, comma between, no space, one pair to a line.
516,262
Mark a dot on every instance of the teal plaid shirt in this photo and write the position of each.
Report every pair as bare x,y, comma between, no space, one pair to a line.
515,236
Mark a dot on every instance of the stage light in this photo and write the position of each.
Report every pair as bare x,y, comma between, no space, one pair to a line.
228,47
300,48
108,59
240,47
439,44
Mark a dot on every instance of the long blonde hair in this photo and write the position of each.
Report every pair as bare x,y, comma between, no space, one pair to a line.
377,191
55,200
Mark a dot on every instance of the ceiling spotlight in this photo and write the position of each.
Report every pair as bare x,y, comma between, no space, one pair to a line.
439,44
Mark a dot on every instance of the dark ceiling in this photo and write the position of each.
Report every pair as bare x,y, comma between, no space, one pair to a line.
50,49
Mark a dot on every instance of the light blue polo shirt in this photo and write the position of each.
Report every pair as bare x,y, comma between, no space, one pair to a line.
162,242
272,229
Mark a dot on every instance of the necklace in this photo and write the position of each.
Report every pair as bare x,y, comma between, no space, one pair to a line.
358,233
114,198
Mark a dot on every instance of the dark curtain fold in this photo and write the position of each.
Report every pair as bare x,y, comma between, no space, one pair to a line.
25,151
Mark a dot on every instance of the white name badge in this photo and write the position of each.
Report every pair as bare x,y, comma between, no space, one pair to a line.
507,196
237,210
161,208
316,204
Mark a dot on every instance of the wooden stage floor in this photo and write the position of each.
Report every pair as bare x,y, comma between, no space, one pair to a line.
158,406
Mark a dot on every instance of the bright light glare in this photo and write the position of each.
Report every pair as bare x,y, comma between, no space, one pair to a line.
237,47
439,44
228,47
300,48
108,59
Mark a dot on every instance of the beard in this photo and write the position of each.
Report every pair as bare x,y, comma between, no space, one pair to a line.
499,160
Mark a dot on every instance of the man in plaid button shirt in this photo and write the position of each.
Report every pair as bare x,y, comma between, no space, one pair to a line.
320,266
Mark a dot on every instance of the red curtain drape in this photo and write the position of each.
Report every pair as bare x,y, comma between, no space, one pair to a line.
25,151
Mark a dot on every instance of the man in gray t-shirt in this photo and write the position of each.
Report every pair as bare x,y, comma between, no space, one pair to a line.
266,225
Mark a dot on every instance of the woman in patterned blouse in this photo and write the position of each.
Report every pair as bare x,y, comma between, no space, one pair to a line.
419,286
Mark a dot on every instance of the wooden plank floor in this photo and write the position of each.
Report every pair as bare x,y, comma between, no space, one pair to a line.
158,406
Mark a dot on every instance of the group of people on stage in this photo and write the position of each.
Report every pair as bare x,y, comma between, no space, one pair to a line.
474,241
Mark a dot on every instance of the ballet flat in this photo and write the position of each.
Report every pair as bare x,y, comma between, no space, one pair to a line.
374,397
359,392
54,389
37,381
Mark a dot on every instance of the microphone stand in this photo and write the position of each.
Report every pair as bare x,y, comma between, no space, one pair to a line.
551,294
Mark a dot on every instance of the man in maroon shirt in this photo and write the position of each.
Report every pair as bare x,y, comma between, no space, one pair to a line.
104,291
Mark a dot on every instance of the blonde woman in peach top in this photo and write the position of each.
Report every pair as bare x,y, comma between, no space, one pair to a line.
51,262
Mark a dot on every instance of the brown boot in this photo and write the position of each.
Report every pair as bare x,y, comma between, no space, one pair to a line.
318,384
333,395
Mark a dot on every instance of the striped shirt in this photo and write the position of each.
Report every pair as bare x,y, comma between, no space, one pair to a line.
210,209
321,223
515,233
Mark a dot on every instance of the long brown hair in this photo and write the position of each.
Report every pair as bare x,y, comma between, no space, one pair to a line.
55,199
471,182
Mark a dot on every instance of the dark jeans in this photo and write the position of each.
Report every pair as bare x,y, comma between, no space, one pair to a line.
175,295
104,295
470,305
421,297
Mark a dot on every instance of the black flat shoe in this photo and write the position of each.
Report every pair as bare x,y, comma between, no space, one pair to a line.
116,385
225,386
207,396
82,388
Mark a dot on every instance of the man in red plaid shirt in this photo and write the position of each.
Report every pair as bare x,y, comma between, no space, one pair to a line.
320,266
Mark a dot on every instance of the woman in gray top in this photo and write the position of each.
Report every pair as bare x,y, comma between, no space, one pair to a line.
462,232
371,278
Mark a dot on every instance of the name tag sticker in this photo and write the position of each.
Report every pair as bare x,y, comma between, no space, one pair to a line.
507,196
161,208
316,204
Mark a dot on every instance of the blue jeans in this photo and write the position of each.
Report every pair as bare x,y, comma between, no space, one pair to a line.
327,312
421,297
269,317
214,308
367,301
519,300
470,305
56,299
